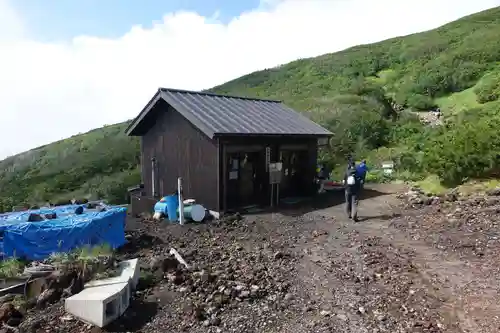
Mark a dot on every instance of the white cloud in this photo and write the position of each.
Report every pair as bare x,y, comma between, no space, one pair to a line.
49,91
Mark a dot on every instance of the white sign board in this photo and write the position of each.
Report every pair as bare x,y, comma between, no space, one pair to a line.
388,167
323,141
278,166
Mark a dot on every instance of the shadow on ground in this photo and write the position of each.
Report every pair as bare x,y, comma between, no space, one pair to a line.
138,314
383,217
318,202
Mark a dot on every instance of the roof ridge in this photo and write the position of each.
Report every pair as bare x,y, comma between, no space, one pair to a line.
205,93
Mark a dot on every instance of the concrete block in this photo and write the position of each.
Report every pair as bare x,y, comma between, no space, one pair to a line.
100,305
129,271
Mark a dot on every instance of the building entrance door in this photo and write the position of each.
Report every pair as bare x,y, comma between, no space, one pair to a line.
245,178
294,172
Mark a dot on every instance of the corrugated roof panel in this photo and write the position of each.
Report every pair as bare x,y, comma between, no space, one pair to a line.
219,114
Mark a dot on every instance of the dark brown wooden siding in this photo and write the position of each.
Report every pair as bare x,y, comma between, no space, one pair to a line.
141,204
181,150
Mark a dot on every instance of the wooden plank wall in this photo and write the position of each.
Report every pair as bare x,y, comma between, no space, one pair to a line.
180,150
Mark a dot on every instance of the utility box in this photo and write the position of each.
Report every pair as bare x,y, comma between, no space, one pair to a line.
103,301
100,305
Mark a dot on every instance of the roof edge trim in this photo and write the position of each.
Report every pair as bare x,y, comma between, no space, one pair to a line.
272,135
206,93
137,120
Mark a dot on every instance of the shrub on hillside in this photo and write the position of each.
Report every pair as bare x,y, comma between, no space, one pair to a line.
406,129
488,89
357,124
420,102
465,150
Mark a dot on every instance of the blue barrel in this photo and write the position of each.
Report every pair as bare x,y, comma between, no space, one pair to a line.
160,207
172,202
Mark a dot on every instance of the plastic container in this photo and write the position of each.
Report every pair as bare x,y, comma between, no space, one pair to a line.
172,203
160,207
194,212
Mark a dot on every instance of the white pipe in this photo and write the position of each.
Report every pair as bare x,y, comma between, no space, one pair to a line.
181,201
179,257
153,177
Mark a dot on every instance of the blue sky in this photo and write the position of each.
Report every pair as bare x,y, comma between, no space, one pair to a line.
50,20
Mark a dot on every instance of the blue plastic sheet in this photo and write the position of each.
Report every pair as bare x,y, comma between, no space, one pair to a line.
38,240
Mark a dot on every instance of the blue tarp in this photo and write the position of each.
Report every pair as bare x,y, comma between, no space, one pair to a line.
38,240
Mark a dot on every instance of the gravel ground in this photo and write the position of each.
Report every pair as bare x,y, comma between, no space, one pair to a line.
429,267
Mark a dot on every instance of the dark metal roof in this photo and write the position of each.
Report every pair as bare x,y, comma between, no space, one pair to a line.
217,115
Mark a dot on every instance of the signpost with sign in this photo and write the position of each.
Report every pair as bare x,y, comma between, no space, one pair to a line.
275,176
268,157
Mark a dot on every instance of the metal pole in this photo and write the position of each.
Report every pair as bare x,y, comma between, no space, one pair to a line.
181,201
153,177
277,194
272,195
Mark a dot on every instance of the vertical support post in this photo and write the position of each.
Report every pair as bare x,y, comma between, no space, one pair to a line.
268,161
181,201
153,177
272,195
277,194
268,158
280,160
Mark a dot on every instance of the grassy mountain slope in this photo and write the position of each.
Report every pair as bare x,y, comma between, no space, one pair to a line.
413,70
358,93
101,162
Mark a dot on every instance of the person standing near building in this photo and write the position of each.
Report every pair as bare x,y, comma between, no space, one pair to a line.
361,170
352,188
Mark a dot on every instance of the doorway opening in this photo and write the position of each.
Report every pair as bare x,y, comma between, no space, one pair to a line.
246,178
293,182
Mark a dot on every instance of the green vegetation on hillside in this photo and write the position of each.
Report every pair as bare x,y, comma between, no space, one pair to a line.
100,163
363,94
488,88
413,70
454,67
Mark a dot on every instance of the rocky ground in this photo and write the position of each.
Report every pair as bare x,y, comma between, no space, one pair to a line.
414,264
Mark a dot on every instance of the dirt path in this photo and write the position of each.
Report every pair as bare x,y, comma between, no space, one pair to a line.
311,270
463,293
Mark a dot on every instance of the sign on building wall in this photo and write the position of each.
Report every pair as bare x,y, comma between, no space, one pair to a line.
275,172
323,141
268,157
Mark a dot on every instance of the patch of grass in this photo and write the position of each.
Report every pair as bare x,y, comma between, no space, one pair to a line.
88,252
386,75
19,301
60,258
406,176
478,186
11,268
458,102
83,255
432,185
97,261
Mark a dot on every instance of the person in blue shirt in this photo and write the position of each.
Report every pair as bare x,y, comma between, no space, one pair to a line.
361,170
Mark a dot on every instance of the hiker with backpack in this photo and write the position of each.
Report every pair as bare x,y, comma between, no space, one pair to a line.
352,185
